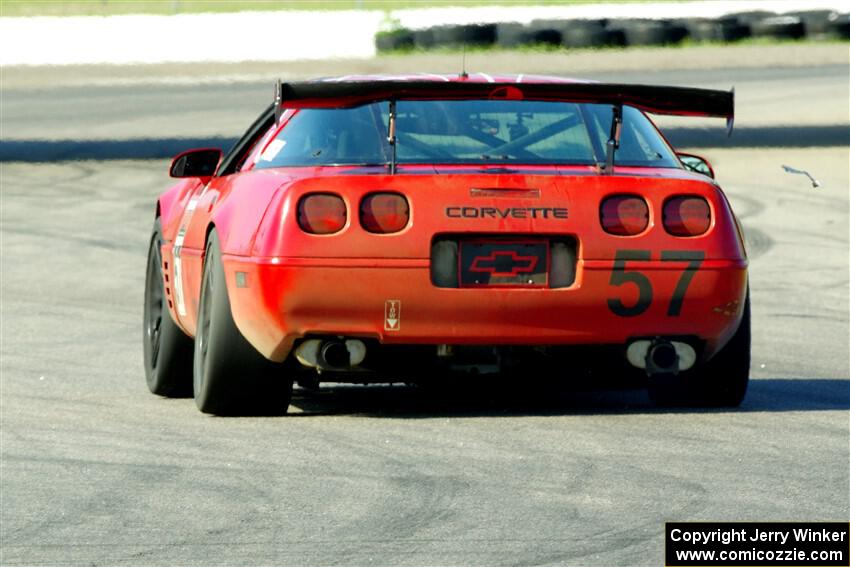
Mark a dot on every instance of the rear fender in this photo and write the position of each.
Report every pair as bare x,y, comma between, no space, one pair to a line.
243,203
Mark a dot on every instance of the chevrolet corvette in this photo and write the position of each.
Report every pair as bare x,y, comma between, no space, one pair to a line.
396,228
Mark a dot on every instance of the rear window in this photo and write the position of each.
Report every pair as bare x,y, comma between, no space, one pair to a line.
466,132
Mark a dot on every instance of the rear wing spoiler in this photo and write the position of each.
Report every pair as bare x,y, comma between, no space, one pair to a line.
680,101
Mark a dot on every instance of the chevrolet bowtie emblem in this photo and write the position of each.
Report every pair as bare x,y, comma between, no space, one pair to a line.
504,263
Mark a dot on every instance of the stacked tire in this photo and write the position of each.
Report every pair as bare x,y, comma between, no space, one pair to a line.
722,30
512,34
594,33
581,33
476,35
838,26
651,32
394,40
778,27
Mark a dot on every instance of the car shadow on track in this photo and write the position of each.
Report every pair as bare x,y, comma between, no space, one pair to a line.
482,399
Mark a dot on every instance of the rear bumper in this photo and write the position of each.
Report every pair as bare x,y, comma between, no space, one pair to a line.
276,301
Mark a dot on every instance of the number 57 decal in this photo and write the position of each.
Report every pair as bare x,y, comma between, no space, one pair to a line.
619,276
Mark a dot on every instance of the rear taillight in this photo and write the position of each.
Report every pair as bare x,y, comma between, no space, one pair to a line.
686,215
384,212
321,213
624,215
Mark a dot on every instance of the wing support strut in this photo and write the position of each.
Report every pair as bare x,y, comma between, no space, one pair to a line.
613,142
391,137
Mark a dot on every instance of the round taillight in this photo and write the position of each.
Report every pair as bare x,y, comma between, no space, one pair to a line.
624,215
384,212
686,215
321,213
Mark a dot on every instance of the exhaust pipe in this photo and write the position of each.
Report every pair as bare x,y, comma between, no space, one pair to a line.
334,354
661,356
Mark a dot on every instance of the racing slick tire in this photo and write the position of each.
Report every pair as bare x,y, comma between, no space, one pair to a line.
230,377
721,382
167,349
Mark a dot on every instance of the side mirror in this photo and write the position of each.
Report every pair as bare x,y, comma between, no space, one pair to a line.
696,163
196,163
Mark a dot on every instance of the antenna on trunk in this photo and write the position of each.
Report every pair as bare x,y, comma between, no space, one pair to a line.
463,73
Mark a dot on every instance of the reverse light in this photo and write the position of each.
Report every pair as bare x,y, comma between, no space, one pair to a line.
686,215
321,213
384,212
624,215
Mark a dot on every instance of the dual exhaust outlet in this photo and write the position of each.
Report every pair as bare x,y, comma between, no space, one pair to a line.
661,356
656,356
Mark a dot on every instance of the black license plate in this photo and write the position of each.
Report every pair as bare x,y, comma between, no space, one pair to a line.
495,263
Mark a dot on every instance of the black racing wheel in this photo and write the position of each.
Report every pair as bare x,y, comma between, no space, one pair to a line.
230,376
721,382
167,349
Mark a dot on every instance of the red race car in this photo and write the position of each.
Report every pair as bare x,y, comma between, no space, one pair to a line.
386,229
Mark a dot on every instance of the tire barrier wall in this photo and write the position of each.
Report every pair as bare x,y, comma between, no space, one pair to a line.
812,24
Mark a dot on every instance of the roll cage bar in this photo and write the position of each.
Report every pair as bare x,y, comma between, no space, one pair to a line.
679,101
330,93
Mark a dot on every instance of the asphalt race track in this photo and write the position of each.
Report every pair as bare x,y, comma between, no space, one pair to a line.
95,470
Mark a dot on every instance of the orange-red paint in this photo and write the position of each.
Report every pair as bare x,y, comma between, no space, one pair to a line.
341,283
